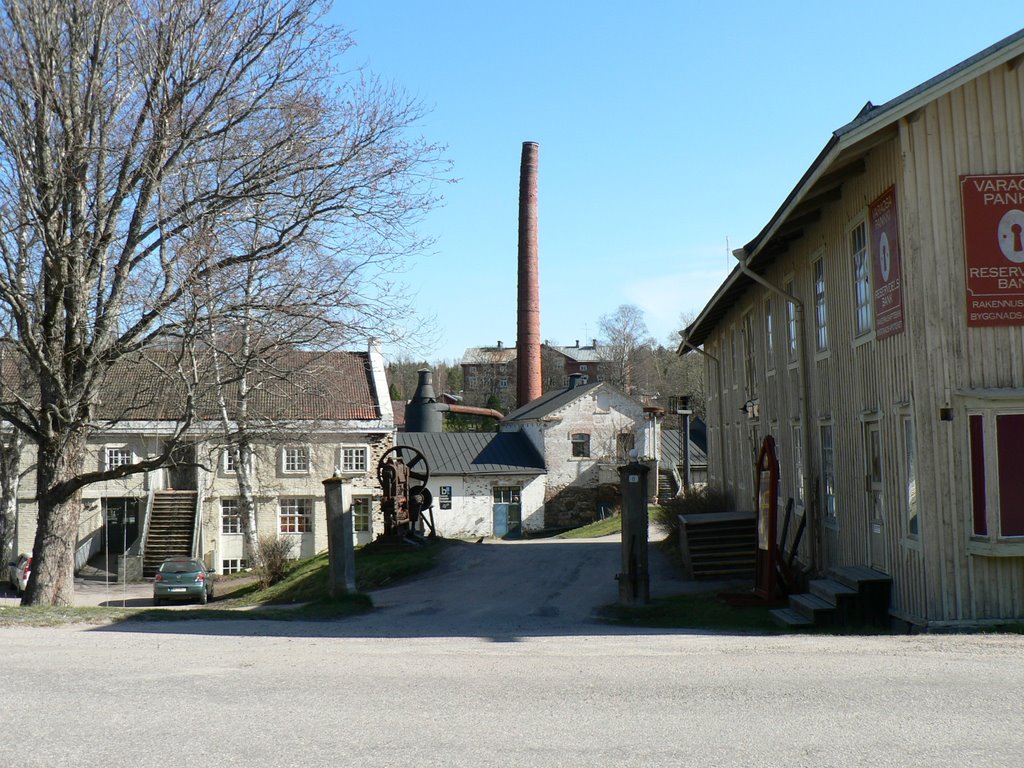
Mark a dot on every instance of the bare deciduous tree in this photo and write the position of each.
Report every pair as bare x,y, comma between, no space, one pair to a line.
131,133
625,332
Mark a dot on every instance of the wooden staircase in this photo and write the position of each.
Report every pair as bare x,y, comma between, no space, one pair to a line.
719,545
851,596
171,528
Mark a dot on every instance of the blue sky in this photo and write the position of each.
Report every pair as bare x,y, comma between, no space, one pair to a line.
666,129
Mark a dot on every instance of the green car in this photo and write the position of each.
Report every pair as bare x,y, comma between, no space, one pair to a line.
182,578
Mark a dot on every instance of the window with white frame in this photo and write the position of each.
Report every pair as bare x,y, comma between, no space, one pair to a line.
503,382
230,519
353,459
295,515
996,440
583,368
580,445
791,349
233,565
733,360
769,337
910,477
828,473
295,459
798,466
228,461
863,320
361,514
118,456
820,315
749,369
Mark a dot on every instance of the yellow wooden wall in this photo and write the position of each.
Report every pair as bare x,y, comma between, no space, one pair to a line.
978,128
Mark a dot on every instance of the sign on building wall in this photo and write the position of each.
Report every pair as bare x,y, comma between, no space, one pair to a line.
993,208
445,497
885,264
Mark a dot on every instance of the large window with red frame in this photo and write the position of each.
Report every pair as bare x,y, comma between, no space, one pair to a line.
997,483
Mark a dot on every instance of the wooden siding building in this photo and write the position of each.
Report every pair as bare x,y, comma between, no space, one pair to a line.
875,328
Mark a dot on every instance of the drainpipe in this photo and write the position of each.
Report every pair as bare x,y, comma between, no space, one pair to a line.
805,420
721,416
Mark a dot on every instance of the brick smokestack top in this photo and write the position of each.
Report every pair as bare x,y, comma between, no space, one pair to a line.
528,385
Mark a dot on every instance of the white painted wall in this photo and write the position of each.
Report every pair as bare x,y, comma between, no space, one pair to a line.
472,515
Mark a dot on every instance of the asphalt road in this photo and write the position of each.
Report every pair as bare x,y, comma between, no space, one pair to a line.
496,661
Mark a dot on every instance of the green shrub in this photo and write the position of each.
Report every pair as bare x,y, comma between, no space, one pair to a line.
273,554
692,501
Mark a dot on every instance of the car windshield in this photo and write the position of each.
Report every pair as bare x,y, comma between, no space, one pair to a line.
180,566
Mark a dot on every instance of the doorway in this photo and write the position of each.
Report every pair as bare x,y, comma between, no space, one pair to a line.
875,499
122,520
182,474
507,510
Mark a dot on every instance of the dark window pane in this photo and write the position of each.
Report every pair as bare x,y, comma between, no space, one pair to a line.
1010,441
978,475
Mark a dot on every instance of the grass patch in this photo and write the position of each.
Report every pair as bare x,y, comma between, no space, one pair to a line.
300,596
704,610
605,527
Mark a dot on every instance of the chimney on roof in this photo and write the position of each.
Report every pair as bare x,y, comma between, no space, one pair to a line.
575,380
528,384
595,343
577,343
422,413
500,345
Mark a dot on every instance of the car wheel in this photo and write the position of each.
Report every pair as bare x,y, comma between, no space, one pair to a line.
204,597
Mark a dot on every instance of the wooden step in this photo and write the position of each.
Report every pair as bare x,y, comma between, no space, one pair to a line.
817,611
787,617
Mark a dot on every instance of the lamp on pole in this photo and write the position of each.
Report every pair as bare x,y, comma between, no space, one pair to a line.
681,405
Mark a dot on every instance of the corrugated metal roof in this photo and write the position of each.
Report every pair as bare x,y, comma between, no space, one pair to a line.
475,453
550,402
671,448
584,354
489,355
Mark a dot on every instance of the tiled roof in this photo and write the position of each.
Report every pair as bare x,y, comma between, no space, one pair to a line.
298,386
475,453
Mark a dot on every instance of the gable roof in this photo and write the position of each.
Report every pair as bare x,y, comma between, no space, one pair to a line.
592,354
550,402
489,355
671,448
841,158
475,453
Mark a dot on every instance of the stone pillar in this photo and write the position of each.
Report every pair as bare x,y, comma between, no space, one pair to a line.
635,580
341,552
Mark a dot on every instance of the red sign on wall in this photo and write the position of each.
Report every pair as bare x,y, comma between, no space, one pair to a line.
993,209
886,269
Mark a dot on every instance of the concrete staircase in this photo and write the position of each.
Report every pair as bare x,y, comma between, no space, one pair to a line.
851,596
171,528
719,545
666,486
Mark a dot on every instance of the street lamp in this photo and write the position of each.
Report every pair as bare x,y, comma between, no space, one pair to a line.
682,409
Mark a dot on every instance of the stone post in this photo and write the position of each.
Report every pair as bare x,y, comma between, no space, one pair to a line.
635,580
340,547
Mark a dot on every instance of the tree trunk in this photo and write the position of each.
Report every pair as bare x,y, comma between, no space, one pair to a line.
53,555
247,503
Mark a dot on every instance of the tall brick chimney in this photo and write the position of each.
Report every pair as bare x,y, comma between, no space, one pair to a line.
528,385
